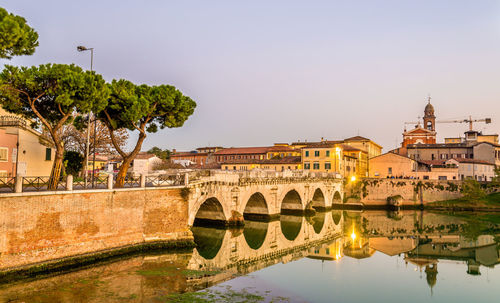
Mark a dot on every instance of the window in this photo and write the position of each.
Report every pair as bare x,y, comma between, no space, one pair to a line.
442,178
307,165
328,165
328,153
4,154
307,153
315,165
389,170
316,153
48,154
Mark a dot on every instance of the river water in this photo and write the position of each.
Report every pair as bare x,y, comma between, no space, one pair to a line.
336,256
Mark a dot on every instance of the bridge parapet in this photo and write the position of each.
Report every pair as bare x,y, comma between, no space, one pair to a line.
242,178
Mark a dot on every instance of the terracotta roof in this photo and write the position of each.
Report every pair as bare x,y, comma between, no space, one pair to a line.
285,160
433,162
184,154
323,144
281,148
438,145
242,150
357,138
466,160
210,147
253,150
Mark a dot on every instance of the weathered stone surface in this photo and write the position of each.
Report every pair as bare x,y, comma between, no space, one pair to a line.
47,226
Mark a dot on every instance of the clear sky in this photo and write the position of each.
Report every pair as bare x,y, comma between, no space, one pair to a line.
280,71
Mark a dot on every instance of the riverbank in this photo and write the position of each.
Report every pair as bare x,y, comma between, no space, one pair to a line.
490,203
54,267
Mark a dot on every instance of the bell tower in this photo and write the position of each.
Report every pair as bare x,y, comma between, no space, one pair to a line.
429,117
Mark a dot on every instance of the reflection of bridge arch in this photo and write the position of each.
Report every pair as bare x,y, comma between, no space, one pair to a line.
318,200
256,208
210,212
273,247
337,198
208,241
318,220
336,216
292,203
255,233
290,226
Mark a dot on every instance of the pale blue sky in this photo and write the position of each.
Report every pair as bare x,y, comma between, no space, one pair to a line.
280,71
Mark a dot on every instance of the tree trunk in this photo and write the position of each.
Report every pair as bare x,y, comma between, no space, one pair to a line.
127,159
122,173
55,174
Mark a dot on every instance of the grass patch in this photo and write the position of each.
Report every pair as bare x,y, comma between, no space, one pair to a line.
223,296
489,201
199,273
156,272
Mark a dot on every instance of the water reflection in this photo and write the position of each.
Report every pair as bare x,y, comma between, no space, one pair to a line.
255,233
409,246
208,241
290,226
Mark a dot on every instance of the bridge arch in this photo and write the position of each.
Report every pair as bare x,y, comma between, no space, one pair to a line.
318,200
210,212
256,208
337,198
292,203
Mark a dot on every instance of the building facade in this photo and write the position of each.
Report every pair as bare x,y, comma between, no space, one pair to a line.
276,164
23,150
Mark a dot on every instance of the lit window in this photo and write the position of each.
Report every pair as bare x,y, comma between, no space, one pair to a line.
328,165
307,165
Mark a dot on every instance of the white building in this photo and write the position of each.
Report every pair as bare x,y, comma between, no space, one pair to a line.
474,169
144,163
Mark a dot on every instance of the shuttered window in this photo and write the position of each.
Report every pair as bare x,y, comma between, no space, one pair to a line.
4,154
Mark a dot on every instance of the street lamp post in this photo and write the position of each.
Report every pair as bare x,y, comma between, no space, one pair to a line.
91,49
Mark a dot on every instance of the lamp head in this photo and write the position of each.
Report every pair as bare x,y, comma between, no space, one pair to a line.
81,48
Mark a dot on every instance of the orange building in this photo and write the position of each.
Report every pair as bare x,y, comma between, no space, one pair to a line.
425,134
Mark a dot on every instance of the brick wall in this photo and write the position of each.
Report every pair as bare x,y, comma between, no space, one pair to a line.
38,227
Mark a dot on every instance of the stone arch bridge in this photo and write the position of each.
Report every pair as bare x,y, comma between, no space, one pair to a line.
228,198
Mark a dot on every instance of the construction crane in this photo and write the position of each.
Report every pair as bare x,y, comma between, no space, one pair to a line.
470,121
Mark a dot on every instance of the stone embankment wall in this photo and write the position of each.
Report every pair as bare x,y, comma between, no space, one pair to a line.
45,226
375,192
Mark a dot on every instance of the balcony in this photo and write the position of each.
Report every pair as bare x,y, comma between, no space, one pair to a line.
13,121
